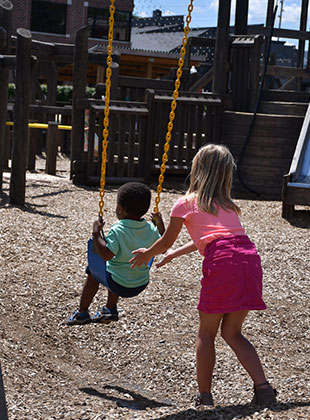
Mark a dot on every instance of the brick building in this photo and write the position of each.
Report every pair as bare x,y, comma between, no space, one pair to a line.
57,20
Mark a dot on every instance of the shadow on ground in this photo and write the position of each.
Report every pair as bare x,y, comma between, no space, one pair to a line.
136,401
129,399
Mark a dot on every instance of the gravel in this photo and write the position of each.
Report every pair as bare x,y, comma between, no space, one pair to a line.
142,367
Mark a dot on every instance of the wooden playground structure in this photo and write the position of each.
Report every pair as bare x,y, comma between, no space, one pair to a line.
261,125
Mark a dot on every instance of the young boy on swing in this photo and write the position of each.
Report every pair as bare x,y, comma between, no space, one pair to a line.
132,231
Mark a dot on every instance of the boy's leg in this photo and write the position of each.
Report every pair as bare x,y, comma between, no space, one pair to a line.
246,353
205,351
109,312
112,299
90,288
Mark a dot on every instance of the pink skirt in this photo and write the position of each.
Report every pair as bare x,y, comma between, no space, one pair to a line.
232,276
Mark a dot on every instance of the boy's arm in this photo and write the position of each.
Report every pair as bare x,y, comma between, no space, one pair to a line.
182,250
101,244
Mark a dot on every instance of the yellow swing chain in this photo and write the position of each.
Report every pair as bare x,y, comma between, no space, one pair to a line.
105,132
173,107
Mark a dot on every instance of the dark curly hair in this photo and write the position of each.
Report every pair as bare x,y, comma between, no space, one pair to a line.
135,198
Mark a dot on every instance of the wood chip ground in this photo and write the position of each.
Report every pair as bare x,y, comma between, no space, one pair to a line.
142,367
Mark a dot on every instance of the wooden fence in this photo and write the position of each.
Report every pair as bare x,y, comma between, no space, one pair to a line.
49,141
137,132
133,88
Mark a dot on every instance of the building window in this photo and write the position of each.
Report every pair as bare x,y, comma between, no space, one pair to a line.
48,17
98,24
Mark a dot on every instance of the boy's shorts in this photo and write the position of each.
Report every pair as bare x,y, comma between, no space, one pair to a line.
107,280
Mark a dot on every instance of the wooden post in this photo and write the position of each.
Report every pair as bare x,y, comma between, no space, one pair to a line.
150,135
221,48
51,80
269,17
100,74
241,17
302,27
288,210
32,147
254,68
114,80
6,12
3,408
51,148
79,86
21,116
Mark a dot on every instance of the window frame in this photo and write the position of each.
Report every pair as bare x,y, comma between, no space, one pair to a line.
91,28
39,28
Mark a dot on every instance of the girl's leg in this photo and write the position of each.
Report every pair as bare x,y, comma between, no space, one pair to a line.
205,351
89,291
246,353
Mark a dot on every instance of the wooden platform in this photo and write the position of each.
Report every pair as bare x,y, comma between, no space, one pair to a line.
269,152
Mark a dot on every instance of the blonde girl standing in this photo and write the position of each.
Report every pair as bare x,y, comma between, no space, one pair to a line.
231,285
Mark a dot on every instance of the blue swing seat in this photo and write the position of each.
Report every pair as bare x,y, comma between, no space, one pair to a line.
97,264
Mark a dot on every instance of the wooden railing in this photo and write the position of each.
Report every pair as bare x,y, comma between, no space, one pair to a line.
137,135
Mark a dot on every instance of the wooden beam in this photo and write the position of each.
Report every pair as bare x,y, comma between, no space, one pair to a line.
286,72
195,41
302,27
241,17
51,148
6,15
221,48
21,117
280,33
7,61
269,14
79,86
203,81
3,38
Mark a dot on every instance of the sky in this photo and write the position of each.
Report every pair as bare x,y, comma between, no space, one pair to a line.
205,11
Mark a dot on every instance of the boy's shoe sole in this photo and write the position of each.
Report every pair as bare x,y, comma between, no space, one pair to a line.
104,318
73,320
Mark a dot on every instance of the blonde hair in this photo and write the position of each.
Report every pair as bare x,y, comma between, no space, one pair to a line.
211,179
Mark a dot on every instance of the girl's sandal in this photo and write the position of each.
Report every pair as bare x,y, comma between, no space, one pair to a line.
264,394
203,399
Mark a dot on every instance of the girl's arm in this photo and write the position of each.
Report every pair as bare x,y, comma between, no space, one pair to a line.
143,255
101,245
182,250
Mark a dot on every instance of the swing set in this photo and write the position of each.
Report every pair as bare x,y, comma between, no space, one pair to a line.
94,260
171,114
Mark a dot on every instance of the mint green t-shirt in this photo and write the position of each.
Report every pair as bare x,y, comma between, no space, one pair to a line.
125,236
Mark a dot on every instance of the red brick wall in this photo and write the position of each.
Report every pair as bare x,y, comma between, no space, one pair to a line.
76,16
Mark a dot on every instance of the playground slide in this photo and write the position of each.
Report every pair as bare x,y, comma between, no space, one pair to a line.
296,185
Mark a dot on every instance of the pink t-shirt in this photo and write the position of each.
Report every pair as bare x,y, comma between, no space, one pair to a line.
204,227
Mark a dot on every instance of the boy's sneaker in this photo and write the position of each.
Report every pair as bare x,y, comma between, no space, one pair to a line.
79,318
106,315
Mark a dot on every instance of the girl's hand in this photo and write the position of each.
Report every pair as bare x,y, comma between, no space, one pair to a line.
166,259
140,257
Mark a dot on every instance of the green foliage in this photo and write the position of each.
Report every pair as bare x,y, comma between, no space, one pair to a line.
90,91
11,89
64,93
